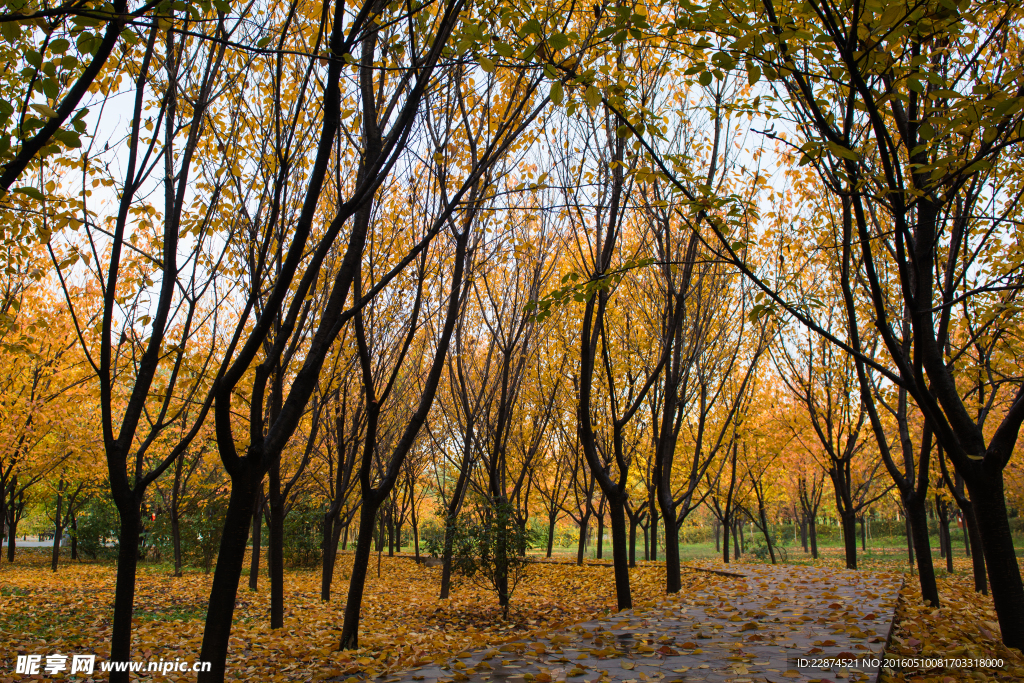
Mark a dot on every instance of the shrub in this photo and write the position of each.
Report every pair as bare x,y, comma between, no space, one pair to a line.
489,548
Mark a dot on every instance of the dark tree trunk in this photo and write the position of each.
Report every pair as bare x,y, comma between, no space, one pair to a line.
415,529
848,520
989,503
454,506
124,587
600,533
58,528
244,489
632,542
12,529
863,534
803,533
257,540
726,529
978,556
175,522
647,548
918,524
717,528
330,557
812,523
767,536
275,547
582,547
654,529
737,531
910,539
74,537
620,562
391,531
673,578
360,563
446,558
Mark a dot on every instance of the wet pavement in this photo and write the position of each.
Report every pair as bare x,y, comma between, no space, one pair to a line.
781,623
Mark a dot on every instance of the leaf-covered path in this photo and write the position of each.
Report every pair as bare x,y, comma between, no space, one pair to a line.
754,627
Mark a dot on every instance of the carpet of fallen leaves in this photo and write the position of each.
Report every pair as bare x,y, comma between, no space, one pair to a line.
404,623
964,627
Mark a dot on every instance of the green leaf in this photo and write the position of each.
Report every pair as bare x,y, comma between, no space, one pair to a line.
10,31
557,93
558,41
263,42
31,192
531,26
60,46
487,64
753,74
44,110
592,96
841,151
503,49
705,78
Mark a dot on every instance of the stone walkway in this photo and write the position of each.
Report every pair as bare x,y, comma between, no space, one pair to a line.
747,629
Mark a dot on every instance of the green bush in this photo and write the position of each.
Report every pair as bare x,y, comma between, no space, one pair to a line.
489,549
98,525
303,537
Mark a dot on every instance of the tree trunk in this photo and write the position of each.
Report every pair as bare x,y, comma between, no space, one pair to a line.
716,527
726,529
620,561
632,542
12,529
863,534
582,547
989,503
673,578
124,586
275,549
803,533
257,540
767,536
415,531
360,563
74,537
389,523
978,556
654,530
58,528
551,533
910,539
849,522
175,522
917,521
446,559
737,529
224,590
812,523
600,533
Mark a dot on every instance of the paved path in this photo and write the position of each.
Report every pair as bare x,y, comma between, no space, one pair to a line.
746,629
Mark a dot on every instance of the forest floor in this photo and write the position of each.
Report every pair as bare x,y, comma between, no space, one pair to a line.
405,625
